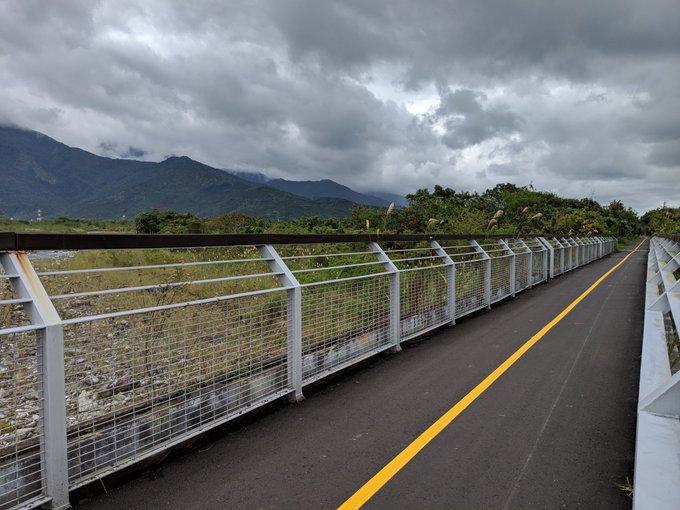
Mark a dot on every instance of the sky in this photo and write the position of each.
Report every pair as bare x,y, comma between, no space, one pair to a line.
580,98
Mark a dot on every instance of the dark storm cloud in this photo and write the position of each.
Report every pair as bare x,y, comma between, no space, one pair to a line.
468,123
666,155
578,97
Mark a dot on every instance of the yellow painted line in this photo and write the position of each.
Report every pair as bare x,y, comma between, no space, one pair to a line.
383,476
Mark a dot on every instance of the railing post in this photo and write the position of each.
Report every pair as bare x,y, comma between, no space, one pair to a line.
451,269
395,301
487,272
581,250
530,263
600,247
294,322
574,252
563,253
551,256
565,244
50,352
576,249
513,262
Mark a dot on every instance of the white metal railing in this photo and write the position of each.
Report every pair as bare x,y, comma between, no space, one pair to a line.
109,357
657,448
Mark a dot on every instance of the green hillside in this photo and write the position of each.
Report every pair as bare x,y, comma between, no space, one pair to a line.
38,172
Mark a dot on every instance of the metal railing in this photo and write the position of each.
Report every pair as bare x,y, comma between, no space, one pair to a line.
122,346
657,448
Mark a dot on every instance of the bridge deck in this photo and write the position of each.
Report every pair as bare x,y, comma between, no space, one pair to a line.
556,430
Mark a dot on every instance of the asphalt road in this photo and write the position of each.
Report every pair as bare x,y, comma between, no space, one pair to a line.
557,430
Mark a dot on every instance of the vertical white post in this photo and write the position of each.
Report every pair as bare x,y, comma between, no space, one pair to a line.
395,300
294,304
487,272
567,261
574,253
50,349
451,269
513,266
544,264
530,262
581,250
562,253
550,260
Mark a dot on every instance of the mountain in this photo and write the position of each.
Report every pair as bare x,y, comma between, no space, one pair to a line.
314,189
37,172
255,177
399,200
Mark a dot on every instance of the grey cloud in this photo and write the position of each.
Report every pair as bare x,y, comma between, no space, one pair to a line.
503,170
577,96
665,155
468,123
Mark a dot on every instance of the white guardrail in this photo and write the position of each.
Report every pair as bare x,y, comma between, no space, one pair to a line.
108,357
657,449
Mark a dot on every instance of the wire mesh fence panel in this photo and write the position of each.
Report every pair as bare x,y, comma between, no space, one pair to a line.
538,261
469,286
568,255
423,293
342,322
500,277
137,383
522,274
21,473
672,342
89,283
424,300
538,269
315,263
558,259
578,254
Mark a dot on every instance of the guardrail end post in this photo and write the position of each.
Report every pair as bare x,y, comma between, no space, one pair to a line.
51,380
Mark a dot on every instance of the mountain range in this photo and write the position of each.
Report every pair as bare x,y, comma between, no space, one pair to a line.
38,172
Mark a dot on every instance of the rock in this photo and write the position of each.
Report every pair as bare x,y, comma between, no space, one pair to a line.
90,380
120,399
85,402
120,384
22,434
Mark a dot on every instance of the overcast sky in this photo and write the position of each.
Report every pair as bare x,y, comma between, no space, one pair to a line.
581,97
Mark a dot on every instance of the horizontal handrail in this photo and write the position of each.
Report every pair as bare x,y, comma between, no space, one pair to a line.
19,241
